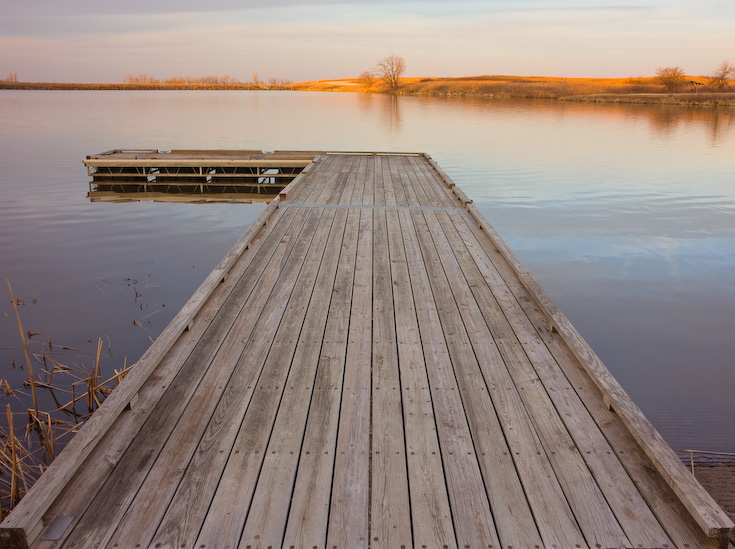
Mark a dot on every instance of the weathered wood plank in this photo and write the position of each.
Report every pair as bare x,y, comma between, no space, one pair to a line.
309,513
390,524
430,512
29,512
309,176
402,183
136,463
178,393
366,173
711,518
676,521
554,518
469,340
266,521
365,377
243,403
631,511
389,192
441,182
428,186
318,181
74,501
473,520
593,514
349,509
196,162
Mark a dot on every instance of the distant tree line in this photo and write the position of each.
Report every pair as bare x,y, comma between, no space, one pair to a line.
226,80
674,78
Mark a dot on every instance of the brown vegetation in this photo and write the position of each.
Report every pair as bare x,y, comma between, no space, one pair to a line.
28,447
501,86
723,75
640,89
671,78
387,78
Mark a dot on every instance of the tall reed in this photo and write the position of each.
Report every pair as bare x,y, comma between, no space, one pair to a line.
29,365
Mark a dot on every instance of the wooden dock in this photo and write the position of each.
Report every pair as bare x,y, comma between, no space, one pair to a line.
369,366
192,175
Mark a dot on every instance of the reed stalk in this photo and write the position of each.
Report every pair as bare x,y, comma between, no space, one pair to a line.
14,463
25,348
45,434
93,379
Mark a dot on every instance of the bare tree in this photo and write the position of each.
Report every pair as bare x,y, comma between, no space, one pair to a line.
12,77
670,77
722,76
367,79
390,70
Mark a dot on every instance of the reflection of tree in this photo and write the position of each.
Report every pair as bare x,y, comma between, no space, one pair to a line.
665,119
385,106
722,123
392,113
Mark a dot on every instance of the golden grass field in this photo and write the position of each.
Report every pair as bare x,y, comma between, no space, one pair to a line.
628,90
509,86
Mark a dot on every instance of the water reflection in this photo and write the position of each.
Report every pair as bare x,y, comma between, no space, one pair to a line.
625,214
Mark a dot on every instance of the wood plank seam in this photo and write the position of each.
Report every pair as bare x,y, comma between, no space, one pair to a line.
710,517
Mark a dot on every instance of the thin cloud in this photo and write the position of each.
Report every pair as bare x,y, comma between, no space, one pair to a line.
298,40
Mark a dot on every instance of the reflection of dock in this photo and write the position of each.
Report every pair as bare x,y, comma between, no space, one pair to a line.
149,174
177,196
369,366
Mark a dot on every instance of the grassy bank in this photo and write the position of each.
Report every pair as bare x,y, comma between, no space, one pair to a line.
114,86
701,99
642,90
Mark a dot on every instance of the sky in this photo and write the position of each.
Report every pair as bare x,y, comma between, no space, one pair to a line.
296,40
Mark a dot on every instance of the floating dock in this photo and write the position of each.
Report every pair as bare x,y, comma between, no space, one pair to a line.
369,366
191,175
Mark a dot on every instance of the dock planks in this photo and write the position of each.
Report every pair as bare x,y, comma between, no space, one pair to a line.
370,366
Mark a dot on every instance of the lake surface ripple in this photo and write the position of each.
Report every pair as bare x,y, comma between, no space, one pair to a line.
625,215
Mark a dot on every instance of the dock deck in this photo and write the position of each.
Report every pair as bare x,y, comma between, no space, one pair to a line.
193,175
370,366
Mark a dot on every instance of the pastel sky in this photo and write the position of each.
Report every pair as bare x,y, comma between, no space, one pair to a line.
98,41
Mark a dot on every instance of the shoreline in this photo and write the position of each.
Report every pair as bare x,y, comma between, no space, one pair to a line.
526,89
681,99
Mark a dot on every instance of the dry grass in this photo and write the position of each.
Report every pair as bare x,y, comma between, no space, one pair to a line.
28,447
503,86
500,86
114,86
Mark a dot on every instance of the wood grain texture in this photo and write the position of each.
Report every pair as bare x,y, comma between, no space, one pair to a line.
390,508
309,513
713,521
629,508
350,503
474,525
370,366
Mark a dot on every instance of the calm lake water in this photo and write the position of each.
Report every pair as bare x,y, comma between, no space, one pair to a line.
624,214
